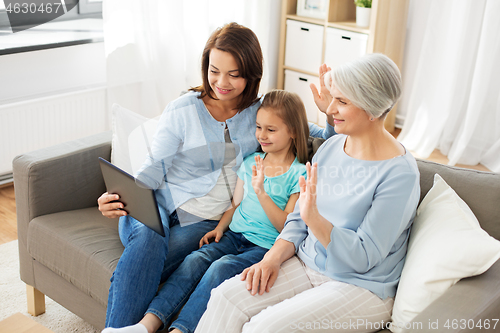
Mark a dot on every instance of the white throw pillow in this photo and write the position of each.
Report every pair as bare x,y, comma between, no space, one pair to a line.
446,244
132,138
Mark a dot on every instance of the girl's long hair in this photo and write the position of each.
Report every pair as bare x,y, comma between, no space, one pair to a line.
289,107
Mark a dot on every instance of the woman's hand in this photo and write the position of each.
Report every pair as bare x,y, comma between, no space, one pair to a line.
215,234
320,227
258,175
322,98
110,207
307,200
262,274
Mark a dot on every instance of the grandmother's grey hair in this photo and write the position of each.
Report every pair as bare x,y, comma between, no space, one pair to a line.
372,83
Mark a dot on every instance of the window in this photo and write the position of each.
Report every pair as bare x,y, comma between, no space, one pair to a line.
90,6
84,9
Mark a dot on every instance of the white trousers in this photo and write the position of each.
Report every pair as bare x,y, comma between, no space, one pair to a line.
295,303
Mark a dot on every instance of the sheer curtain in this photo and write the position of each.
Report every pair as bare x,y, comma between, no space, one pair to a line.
452,81
153,48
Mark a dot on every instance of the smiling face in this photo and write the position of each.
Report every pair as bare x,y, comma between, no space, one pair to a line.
272,133
348,118
224,76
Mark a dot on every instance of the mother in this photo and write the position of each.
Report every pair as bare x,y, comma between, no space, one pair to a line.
202,137
349,229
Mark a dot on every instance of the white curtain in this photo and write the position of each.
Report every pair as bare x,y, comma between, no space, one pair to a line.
452,81
153,48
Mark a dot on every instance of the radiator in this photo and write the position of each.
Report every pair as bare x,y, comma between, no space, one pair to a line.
43,122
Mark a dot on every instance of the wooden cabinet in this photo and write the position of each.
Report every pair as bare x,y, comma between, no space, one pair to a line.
341,39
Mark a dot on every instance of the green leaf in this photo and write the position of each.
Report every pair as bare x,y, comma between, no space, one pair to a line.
363,3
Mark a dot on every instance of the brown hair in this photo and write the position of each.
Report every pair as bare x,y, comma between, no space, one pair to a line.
289,107
243,45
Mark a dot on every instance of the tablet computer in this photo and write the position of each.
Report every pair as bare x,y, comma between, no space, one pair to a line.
138,199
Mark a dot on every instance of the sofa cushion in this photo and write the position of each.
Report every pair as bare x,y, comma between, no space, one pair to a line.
132,138
312,146
446,244
480,190
82,246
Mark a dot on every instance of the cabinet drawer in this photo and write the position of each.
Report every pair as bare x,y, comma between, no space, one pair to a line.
299,84
304,44
343,46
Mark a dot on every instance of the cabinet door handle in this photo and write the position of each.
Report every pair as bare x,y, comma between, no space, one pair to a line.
302,79
305,29
345,37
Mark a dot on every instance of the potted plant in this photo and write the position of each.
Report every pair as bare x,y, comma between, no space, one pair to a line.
363,11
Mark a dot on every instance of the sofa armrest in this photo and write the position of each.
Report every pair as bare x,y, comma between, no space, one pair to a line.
476,299
59,178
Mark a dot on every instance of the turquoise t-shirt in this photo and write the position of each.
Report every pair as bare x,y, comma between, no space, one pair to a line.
250,218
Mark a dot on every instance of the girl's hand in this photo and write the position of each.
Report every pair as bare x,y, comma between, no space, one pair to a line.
109,206
262,274
322,98
307,200
215,234
258,175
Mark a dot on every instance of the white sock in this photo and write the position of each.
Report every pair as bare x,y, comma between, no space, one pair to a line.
137,328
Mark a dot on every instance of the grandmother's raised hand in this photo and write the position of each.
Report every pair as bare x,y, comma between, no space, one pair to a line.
307,199
318,225
322,98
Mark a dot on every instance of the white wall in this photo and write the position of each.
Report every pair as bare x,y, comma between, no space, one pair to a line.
30,80
41,73
271,62
49,97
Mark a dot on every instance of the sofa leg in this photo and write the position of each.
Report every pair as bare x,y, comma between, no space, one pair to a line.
36,301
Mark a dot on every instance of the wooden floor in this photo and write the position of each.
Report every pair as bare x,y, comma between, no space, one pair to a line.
20,323
8,226
438,157
8,222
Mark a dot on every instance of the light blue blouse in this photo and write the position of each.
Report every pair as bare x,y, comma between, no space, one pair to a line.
188,149
371,205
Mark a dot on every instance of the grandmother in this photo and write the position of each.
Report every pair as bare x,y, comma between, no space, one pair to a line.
337,262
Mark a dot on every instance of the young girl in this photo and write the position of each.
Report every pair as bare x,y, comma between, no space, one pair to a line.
266,192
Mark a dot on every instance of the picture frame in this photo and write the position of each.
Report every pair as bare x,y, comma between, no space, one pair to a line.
312,8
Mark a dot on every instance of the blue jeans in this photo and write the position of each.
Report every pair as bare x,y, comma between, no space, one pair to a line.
146,262
199,273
